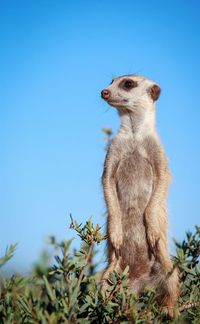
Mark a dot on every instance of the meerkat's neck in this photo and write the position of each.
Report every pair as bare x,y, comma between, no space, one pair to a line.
139,123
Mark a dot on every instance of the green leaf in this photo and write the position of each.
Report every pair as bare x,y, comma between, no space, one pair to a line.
50,292
8,255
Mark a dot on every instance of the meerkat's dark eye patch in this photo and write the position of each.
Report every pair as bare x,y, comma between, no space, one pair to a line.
128,84
112,81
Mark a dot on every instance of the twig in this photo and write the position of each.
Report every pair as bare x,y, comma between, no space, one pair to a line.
87,260
188,306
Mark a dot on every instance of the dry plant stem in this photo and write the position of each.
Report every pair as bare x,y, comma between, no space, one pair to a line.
188,306
81,275
87,260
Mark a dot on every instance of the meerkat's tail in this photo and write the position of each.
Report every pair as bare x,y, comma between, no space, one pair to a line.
167,290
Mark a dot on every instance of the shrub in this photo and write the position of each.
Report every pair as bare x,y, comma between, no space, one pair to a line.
68,292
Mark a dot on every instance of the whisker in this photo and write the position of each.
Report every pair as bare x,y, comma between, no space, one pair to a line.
107,109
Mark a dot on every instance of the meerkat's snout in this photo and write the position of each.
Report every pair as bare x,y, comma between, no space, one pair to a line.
105,94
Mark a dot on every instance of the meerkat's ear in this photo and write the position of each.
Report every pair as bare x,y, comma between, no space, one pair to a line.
155,92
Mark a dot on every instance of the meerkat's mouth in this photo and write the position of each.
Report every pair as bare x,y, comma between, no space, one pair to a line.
114,102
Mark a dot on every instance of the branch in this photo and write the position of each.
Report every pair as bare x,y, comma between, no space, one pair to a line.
189,305
87,261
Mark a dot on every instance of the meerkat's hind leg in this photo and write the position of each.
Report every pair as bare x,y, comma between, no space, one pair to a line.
104,280
114,265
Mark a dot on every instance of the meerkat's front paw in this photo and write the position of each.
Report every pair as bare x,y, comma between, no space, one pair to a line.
116,238
152,228
152,239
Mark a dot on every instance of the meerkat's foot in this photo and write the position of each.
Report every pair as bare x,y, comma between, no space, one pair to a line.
114,266
104,279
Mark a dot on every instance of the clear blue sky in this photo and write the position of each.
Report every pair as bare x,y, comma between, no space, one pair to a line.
55,58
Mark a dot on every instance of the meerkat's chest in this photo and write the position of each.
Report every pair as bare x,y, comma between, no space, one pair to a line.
134,180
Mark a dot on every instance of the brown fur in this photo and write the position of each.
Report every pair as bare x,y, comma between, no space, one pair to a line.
135,183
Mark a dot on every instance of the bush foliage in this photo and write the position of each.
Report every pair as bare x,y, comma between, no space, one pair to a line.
69,292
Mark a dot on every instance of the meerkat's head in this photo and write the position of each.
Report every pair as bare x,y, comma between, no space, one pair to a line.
130,92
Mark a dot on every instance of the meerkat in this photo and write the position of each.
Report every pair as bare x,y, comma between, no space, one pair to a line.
135,182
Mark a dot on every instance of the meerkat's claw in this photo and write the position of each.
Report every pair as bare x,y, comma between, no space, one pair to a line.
151,241
118,253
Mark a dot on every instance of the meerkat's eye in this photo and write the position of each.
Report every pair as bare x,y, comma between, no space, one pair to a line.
128,84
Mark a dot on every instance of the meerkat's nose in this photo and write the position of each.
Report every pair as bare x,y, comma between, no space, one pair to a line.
105,94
